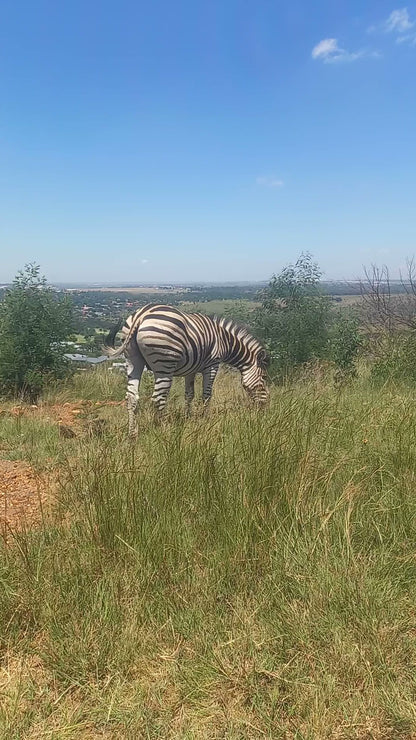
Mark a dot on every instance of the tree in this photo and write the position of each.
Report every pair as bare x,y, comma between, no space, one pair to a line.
388,314
388,308
294,317
240,311
34,321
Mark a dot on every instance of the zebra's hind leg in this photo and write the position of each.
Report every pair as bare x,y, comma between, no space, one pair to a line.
135,366
161,391
189,393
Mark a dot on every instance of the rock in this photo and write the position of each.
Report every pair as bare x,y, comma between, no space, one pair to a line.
66,432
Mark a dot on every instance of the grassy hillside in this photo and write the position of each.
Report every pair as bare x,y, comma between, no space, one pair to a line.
239,575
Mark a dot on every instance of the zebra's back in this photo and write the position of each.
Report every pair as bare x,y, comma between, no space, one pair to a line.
173,342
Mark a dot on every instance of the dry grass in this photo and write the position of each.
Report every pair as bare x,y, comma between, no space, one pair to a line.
238,575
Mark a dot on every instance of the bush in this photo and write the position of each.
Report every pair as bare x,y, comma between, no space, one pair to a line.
240,311
344,345
294,318
34,321
398,362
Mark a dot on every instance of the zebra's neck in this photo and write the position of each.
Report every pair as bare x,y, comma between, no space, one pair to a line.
236,346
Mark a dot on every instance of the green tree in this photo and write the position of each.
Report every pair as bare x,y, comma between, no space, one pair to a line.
34,321
240,311
94,344
294,317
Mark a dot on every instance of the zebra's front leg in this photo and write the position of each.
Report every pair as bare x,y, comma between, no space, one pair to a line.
208,377
135,365
189,393
161,392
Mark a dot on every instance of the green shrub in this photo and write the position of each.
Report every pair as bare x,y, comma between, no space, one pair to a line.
345,343
294,318
398,361
34,321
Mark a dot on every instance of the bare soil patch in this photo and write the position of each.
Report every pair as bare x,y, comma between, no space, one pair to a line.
63,413
24,494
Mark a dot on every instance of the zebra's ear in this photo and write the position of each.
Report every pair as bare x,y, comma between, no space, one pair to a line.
263,359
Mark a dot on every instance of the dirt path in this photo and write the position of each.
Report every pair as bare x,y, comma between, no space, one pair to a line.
26,494
23,495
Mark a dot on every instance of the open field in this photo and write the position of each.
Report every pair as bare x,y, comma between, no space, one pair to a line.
134,290
348,300
238,575
218,307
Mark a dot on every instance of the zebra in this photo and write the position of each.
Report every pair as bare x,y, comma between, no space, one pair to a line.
172,343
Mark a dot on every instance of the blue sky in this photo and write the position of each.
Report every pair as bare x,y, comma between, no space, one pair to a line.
211,140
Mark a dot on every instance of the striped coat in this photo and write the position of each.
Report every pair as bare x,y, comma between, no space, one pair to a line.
172,343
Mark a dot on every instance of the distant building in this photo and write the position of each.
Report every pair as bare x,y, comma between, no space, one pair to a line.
84,358
119,366
122,366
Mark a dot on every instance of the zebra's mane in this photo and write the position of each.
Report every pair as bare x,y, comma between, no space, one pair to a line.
236,328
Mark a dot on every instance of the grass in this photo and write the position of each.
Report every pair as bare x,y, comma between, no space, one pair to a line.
89,385
238,575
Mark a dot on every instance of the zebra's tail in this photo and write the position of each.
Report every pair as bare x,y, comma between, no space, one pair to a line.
108,348
130,328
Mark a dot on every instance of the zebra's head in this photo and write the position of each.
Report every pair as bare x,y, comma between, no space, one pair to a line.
254,375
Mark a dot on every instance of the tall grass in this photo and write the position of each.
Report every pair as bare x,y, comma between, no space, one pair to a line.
238,575
98,384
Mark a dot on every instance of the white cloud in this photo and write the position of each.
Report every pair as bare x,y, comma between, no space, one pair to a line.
399,24
269,182
329,51
325,48
408,38
398,21
144,262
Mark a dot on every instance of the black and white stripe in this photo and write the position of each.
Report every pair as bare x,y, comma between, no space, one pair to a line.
172,343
